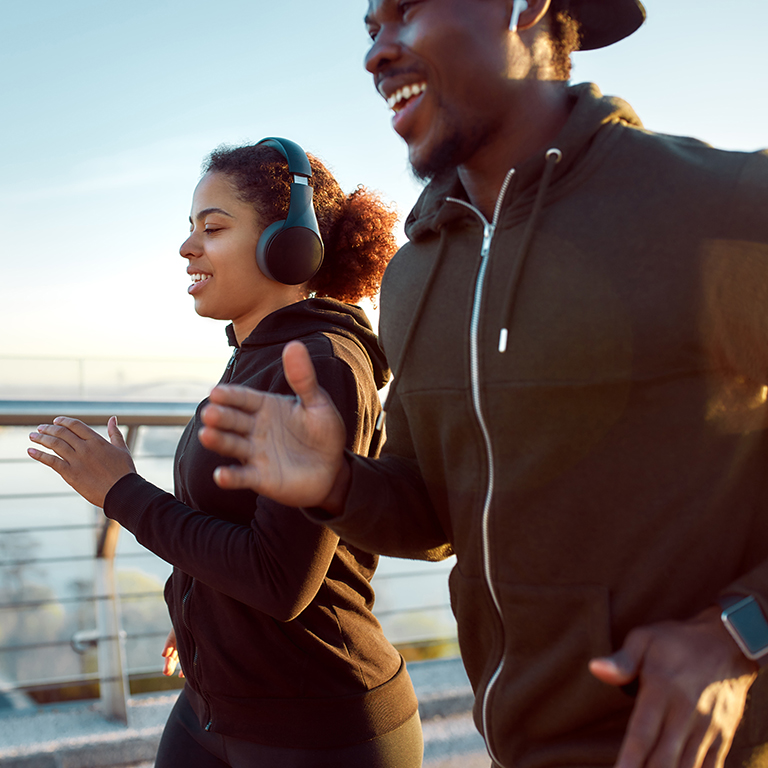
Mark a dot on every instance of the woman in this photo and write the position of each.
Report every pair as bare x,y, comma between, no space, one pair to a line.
285,664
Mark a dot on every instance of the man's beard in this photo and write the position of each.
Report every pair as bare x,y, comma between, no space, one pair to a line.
442,160
455,148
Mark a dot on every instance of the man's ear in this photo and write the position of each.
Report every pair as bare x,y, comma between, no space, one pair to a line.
527,13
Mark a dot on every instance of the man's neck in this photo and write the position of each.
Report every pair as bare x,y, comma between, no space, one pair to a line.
529,129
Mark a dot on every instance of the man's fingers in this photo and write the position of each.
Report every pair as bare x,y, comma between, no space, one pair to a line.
300,373
225,443
234,478
618,669
241,398
704,751
227,428
226,418
645,725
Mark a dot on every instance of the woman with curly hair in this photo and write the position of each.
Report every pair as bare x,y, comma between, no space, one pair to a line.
285,664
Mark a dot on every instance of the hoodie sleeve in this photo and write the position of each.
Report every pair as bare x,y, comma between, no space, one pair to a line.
278,562
388,509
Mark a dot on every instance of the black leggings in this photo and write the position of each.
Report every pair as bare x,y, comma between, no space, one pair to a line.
185,744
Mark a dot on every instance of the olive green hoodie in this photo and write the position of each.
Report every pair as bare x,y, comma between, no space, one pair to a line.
607,469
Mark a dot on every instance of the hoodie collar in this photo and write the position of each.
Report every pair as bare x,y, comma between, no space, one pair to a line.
310,316
581,138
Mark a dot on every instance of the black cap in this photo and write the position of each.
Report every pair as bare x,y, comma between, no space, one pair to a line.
603,22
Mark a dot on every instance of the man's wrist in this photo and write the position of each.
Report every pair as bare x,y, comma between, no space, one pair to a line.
334,502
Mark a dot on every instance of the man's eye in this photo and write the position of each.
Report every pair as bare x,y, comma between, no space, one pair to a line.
211,230
406,6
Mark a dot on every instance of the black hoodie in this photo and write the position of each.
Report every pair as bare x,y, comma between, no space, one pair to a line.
272,613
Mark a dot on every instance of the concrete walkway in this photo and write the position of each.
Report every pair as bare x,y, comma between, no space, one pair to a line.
77,736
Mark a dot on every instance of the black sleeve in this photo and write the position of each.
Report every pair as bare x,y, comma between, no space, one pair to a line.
278,562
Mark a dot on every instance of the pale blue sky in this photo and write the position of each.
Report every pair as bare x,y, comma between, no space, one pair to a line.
108,110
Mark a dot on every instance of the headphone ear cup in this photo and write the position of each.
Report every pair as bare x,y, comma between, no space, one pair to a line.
262,247
289,255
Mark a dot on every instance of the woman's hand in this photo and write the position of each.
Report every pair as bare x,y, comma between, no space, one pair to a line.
171,656
83,458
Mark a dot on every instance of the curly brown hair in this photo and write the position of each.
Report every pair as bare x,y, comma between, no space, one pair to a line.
357,229
565,34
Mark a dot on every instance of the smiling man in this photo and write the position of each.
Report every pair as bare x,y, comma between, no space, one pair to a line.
579,332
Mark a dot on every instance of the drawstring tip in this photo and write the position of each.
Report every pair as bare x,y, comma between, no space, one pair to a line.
380,421
503,340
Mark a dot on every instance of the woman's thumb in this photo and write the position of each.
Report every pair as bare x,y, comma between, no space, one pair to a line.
115,435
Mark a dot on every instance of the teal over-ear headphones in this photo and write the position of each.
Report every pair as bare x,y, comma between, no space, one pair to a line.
290,251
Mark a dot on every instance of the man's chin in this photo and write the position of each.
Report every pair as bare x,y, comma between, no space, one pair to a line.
439,162
425,176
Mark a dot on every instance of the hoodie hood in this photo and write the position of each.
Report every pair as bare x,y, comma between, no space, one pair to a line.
589,124
318,315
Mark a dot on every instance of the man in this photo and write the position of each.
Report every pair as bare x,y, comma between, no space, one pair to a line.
579,333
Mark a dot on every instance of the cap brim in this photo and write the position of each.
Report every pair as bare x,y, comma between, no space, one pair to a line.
604,22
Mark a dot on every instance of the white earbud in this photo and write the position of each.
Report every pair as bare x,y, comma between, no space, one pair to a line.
518,6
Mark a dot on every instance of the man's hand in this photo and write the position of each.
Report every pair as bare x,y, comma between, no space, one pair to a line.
84,459
693,684
291,449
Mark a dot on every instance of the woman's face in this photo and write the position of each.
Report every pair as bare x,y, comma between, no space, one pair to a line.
221,249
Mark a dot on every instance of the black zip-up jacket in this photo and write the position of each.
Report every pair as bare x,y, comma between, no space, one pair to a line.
272,612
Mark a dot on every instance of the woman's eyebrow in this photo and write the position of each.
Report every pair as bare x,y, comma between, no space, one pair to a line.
206,211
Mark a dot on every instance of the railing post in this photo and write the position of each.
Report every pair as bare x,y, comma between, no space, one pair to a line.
113,678
113,674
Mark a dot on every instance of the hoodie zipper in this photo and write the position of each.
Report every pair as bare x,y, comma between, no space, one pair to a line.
184,600
230,372
489,230
232,364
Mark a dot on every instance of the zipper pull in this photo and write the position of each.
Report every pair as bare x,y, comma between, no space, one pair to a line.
232,364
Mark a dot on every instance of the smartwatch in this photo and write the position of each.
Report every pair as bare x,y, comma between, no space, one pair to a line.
745,621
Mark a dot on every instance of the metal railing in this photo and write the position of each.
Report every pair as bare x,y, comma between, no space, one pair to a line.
411,615
108,635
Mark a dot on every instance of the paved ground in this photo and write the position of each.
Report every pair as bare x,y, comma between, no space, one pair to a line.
77,736
453,742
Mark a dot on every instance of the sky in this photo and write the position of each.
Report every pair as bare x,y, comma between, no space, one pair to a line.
108,110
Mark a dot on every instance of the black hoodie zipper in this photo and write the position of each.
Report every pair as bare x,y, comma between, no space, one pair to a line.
228,375
231,365
194,676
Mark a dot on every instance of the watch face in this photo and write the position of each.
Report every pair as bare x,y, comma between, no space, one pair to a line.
748,620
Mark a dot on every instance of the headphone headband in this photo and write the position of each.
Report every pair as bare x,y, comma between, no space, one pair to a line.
298,162
291,251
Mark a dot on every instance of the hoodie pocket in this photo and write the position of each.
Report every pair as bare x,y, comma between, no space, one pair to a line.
545,693
544,696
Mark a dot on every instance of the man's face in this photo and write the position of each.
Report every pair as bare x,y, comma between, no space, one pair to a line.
442,66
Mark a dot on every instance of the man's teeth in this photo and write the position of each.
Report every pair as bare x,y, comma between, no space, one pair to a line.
397,100
197,277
